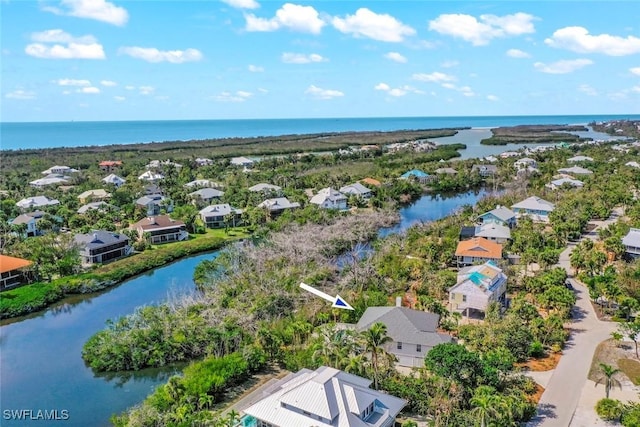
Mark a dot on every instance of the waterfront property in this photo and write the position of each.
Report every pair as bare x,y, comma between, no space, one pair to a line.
324,397
278,205
328,198
418,175
476,287
160,229
36,202
413,332
216,216
100,246
356,189
12,271
500,215
631,243
477,249
484,170
114,180
535,208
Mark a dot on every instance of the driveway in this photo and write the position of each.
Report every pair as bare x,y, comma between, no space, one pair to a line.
562,393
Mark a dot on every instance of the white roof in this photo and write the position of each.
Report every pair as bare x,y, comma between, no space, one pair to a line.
36,201
278,203
207,193
327,194
632,238
356,189
92,206
559,182
580,159
534,203
202,183
264,187
219,210
575,170
493,230
151,176
633,164
95,193
59,169
113,179
241,161
49,180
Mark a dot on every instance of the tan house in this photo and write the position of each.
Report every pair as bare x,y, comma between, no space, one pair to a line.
93,196
11,271
161,229
476,250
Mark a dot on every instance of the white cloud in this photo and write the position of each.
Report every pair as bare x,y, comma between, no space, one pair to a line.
381,27
255,68
396,57
449,64
304,19
319,93
21,94
481,32
72,82
151,54
108,83
493,98
435,77
90,90
586,89
635,70
382,86
238,96
301,58
563,66
146,90
242,4
578,39
85,47
119,98
517,53
398,91
99,10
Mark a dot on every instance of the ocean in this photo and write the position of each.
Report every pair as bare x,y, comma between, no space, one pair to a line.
29,135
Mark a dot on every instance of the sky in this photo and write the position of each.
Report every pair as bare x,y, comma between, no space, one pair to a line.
242,59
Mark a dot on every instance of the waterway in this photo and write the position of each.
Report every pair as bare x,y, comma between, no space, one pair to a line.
41,367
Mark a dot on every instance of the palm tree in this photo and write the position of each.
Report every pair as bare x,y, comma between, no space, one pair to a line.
608,373
484,405
375,339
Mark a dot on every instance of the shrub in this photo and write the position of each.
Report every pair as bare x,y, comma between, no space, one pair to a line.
609,409
536,349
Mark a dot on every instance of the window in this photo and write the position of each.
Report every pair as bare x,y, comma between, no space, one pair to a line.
418,348
399,345
464,298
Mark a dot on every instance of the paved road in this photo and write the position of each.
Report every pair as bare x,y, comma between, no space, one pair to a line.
562,394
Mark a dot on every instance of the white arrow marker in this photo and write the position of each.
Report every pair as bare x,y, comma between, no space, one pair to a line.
337,301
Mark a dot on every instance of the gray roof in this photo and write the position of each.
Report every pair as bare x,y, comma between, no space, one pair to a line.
99,238
580,159
151,199
501,212
278,203
493,230
219,210
37,201
327,194
534,203
488,168
22,219
264,187
113,179
577,170
404,324
207,193
93,205
356,189
632,238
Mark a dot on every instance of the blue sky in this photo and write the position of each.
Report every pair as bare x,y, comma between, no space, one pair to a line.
157,60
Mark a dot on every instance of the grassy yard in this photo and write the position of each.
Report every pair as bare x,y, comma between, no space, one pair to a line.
631,369
620,355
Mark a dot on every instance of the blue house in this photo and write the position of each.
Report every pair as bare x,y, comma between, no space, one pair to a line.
535,208
500,215
418,175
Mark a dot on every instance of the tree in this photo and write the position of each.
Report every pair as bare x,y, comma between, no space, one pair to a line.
455,362
484,403
375,339
607,378
632,330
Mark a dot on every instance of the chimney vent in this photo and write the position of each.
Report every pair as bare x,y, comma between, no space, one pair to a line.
398,301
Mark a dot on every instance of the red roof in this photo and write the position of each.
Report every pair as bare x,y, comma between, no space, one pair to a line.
111,163
479,247
9,263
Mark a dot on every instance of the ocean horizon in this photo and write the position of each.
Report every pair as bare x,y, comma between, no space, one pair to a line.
39,135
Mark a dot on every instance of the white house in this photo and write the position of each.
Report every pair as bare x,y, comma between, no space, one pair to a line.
51,179
151,176
525,163
328,198
59,170
535,208
214,216
203,162
577,159
494,232
631,243
241,161
477,286
356,189
36,202
558,183
278,205
114,180
325,397
265,188
575,170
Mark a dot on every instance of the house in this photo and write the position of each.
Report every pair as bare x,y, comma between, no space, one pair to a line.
477,250
162,164
265,188
467,232
100,246
485,170
154,203
418,175
476,287
278,205
241,161
95,195
114,180
508,154
413,332
160,229
51,179
446,171
575,170
494,232
59,170
631,243
535,208
356,189
371,181
215,216
633,164
12,271
28,222
490,159
328,198
109,165
525,163
151,176
558,183
152,189
36,202
202,183
95,206
577,159
499,215
325,397
203,162
206,195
